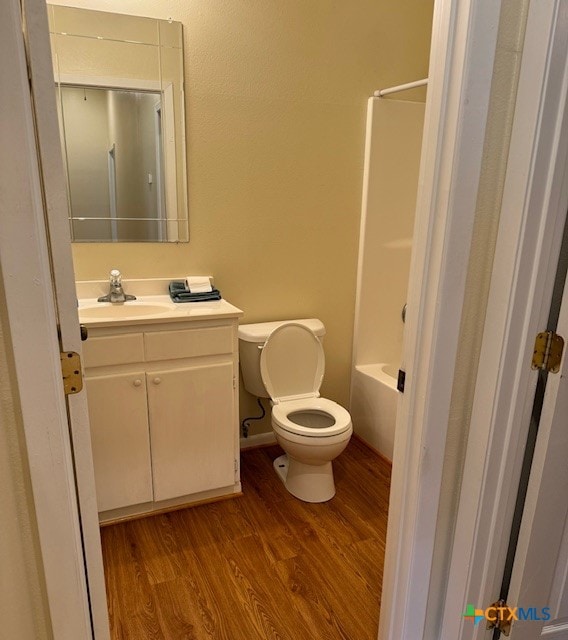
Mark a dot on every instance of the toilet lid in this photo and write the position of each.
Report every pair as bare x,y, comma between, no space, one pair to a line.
292,363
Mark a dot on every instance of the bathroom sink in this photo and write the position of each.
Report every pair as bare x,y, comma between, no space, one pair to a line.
105,310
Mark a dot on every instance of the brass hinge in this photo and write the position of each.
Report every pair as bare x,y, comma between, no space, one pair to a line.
548,348
501,617
71,371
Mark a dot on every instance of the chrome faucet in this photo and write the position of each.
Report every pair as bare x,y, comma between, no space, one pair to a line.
116,294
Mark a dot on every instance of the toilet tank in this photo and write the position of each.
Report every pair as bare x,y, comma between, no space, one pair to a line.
252,337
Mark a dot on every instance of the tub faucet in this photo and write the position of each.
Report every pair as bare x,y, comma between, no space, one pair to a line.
116,294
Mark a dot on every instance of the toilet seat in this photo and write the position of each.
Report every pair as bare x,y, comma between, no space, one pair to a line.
292,365
281,416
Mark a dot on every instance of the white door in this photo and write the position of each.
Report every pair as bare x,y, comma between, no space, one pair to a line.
29,312
63,281
539,581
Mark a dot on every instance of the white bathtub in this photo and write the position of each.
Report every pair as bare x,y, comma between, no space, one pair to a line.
373,405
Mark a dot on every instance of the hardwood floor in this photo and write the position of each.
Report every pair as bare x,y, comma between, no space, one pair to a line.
262,566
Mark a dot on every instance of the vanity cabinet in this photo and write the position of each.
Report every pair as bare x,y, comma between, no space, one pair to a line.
163,410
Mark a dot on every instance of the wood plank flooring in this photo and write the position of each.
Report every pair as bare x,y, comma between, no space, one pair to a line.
262,566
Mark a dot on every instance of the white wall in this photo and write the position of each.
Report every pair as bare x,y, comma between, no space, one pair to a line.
394,142
392,161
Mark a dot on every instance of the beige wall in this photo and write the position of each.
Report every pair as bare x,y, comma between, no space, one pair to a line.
23,612
495,154
276,96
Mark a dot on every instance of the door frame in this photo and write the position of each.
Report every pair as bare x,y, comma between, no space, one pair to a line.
533,215
535,576
464,41
530,231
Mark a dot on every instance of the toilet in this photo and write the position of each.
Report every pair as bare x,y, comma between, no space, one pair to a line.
285,362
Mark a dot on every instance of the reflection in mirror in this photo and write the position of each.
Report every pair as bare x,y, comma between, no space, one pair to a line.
114,163
121,112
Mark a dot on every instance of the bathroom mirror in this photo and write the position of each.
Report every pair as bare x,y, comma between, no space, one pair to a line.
122,117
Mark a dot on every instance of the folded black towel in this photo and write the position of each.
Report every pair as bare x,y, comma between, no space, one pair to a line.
179,293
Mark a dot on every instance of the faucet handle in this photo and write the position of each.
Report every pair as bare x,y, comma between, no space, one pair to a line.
115,276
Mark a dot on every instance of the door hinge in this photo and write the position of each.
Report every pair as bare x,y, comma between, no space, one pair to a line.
500,617
71,372
548,348
236,465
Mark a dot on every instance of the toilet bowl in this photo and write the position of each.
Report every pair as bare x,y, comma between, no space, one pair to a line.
306,468
311,430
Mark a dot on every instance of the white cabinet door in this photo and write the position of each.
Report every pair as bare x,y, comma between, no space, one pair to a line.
192,430
120,438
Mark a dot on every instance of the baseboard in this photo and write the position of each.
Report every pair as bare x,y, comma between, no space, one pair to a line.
258,440
267,439
371,448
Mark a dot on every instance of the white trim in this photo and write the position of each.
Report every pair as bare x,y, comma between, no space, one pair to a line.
170,162
111,161
401,87
461,66
532,219
159,178
108,82
258,440
31,314
357,321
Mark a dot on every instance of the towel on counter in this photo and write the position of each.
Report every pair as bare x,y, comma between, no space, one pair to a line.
179,293
198,284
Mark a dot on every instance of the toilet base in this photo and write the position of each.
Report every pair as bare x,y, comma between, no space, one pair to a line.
281,467
308,482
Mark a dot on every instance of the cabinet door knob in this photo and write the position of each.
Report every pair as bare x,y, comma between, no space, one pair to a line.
138,383
157,380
